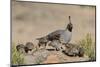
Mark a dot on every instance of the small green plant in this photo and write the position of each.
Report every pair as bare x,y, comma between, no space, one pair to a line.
17,57
88,46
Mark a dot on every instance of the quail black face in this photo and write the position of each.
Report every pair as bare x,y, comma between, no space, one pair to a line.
70,27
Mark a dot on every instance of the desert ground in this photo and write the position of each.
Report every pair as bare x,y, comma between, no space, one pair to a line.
34,20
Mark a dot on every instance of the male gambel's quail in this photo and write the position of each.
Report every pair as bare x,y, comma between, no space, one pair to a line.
64,36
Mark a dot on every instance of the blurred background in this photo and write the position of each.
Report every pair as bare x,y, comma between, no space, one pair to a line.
31,20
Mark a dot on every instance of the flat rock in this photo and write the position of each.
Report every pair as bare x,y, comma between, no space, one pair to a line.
43,56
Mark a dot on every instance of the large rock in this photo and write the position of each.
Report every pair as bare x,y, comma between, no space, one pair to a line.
59,57
72,53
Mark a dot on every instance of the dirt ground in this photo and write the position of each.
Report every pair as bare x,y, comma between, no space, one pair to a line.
34,20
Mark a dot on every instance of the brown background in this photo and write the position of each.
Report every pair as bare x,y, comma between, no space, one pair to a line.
33,20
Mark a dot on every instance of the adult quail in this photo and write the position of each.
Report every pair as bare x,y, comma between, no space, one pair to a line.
64,36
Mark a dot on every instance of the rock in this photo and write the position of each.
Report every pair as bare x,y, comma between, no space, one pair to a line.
72,53
37,58
59,57
52,59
